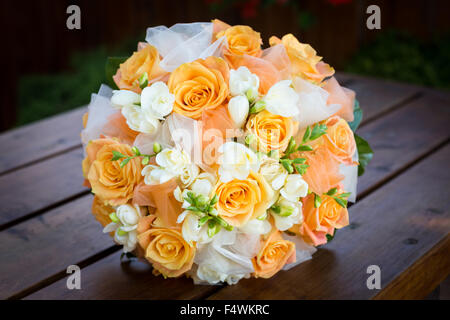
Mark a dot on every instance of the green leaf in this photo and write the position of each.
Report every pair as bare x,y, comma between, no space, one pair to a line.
203,220
145,161
124,162
214,200
276,209
299,161
305,148
318,131
331,237
117,155
301,168
286,163
365,154
291,146
112,64
341,202
332,191
143,80
307,134
136,151
344,195
357,116
317,200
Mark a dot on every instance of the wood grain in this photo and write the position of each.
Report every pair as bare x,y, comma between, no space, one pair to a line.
392,228
39,140
41,247
404,136
39,186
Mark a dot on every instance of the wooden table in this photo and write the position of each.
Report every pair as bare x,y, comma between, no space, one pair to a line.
400,223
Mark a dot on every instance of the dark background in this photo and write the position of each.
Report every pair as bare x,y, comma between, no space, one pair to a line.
49,69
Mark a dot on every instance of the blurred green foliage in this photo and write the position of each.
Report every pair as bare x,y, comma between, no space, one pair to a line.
402,57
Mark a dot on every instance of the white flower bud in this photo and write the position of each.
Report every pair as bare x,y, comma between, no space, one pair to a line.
238,108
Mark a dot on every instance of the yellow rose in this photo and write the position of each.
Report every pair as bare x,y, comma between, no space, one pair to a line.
271,131
199,85
142,61
275,252
101,211
242,40
340,140
111,183
242,200
318,222
304,59
165,248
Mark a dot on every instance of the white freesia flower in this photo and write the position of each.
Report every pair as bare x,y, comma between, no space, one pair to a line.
256,226
188,174
137,121
238,108
236,161
273,172
156,175
281,99
294,187
126,219
122,98
284,223
192,231
204,183
242,80
173,160
157,101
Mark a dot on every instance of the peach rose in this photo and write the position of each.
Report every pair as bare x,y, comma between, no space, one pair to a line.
199,85
318,222
144,60
243,200
242,40
275,252
340,140
304,59
165,248
271,131
101,211
109,182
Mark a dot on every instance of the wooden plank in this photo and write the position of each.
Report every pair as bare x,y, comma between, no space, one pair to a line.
377,97
395,227
403,136
110,279
39,248
40,186
41,139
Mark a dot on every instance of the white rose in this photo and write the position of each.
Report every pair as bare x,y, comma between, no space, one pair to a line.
173,160
204,184
128,216
294,188
210,274
282,100
273,172
238,108
157,101
137,121
155,175
122,98
291,213
192,232
188,174
256,226
236,161
242,80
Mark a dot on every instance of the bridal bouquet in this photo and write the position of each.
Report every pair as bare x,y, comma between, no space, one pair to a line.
217,159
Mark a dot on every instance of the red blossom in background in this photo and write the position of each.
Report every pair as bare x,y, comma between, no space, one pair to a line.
249,9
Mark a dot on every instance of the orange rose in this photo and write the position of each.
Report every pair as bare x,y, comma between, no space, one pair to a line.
242,40
142,61
112,184
243,200
101,211
275,252
199,85
165,248
304,59
272,132
340,140
318,222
